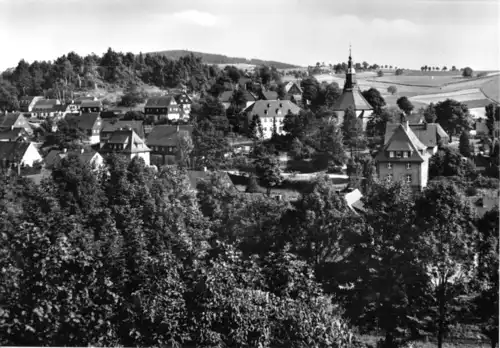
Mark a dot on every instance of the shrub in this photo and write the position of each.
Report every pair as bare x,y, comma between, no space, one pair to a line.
467,72
380,73
471,191
487,183
392,89
482,74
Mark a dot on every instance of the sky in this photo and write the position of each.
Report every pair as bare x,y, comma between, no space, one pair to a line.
403,33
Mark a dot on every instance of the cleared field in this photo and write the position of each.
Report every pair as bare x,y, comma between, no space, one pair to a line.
461,96
425,81
241,66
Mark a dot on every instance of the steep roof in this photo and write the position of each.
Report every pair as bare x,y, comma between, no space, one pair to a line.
133,143
84,121
270,108
13,134
13,150
164,135
55,156
427,133
8,120
351,97
402,139
269,95
137,126
290,84
159,102
183,98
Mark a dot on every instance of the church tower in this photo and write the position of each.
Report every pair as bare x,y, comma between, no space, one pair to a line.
352,97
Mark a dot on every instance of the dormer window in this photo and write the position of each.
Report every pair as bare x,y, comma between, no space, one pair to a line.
405,154
398,154
391,154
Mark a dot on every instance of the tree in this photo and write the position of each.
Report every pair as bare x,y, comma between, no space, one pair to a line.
405,104
392,89
365,65
351,128
310,87
380,73
486,303
255,129
8,96
133,95
296,149
493,115
429,113
448,162
464,145
332,94
453,68
467,72
253,185
268,171
453,116
375,99
184,147
444,219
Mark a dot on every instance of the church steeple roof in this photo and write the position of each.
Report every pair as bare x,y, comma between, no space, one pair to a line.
350,77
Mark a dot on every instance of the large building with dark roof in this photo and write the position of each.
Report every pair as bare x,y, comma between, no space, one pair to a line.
271,113
127,143
164,143
352,97
161,108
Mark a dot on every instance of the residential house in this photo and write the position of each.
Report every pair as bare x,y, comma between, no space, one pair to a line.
161,108
226,98
78,101
88,106
92,158
47,108
109,127
404,157
184,103
14,154
14,134
270,112
430,134
12,121
89,123
127,143
293,92
27,103
351,97
164,143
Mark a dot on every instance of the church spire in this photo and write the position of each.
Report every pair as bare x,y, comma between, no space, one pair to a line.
350,77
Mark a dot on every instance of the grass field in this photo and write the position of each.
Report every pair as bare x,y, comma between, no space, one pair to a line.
372,340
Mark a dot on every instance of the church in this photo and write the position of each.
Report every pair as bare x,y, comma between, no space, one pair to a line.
351,96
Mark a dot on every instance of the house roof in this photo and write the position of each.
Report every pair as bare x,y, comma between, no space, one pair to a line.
270,108
290,84
269,95
84,121
13,134
13,150
353,200
46,103
159,102
79,100
91,104
133,143
164,135
137,126
402,139
428,133
183,98
351,97
8,120
56,155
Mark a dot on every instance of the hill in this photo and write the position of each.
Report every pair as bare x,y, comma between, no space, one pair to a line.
210,58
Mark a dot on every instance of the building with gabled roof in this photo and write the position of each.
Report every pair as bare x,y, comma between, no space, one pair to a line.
108,127
88,106
404,157
92,158
9,121
184,102
226,98
27,103
164,143
270,112
430,134
89,123
161,108
352,97
127,143
14,134
268,95
16,153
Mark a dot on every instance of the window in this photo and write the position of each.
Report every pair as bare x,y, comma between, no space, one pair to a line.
389,165
405,154
389,177
391,154
398,154
408,165
408,178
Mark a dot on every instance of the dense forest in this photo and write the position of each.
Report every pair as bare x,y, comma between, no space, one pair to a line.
210,58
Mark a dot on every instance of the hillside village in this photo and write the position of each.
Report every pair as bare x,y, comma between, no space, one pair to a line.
269,157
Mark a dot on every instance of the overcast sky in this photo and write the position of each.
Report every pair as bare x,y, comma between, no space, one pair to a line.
405,33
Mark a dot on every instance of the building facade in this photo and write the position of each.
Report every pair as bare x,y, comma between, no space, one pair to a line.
162,108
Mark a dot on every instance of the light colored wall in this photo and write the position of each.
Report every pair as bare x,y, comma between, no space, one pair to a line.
31,156
267,126
399,172
143,155
95,139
